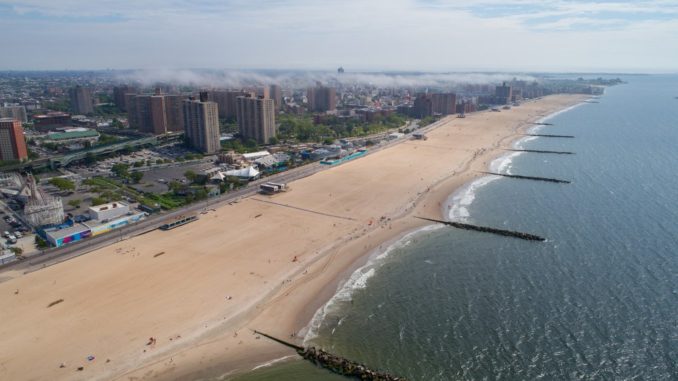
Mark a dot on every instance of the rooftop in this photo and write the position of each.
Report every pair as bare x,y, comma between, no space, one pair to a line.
51,114
255,155
65,232
112,205
72,135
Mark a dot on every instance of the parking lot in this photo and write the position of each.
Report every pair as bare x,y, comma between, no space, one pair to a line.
156,180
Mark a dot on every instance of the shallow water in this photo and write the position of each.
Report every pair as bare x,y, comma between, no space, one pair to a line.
597,301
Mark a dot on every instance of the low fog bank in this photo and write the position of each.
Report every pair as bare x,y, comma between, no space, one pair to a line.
301,79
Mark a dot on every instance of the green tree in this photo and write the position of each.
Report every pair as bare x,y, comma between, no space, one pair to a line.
190,175
273,140
251,143
138,164
120,170
117,124
136,177
174,186
74,203
17,251
40,242
62,184
200,194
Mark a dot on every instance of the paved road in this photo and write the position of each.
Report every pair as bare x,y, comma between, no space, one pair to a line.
56,255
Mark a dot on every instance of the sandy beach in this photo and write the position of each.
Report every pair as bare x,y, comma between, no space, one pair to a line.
180,304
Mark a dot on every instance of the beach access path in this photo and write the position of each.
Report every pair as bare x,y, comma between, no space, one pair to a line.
197,290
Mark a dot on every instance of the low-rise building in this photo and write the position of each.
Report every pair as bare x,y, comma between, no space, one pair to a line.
97,227
72,136
271,161
108,212
59,236
249,173
51,120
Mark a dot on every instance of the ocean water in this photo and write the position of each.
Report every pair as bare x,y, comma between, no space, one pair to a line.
597,301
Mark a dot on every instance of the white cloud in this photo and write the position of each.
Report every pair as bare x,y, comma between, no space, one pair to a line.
377,34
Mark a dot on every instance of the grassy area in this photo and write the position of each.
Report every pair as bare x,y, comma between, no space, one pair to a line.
303,129
166,200
110,190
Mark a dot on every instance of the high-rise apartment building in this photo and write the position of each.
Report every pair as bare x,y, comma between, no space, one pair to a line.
226,101
81,100
14,111
423,106
256,118
201,118
12,141
275,92
503,94
444,103
156,114
321,98
174,112
119,98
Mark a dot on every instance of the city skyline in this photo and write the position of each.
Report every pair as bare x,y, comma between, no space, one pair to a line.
486,35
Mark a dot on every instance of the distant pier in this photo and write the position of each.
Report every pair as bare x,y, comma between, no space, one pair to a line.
485,229
551,136
543,124
335,364
540,151
535,178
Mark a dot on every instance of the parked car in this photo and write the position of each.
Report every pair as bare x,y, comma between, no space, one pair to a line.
5,234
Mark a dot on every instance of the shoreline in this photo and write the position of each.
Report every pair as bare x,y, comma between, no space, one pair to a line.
279,268
369,258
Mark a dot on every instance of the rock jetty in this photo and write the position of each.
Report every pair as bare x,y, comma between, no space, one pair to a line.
336,364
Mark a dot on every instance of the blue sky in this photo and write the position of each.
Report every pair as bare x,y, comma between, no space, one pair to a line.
439,35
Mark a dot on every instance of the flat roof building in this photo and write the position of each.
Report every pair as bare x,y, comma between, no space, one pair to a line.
14,111
107,212
321,98
156,114
503,94
226,101
59,237
275,92
12,141
76,135
423,106
201,121
256,118
444,103
82,101
51,120
119,98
